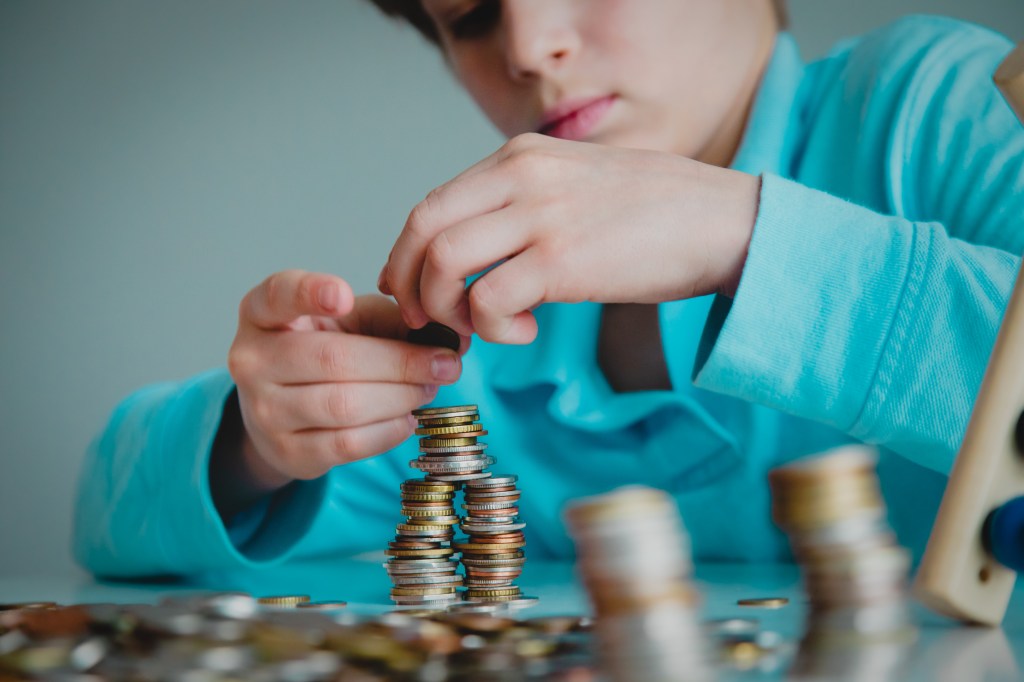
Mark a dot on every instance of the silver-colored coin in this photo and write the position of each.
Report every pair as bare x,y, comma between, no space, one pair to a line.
436,459
478,582
493,563
456,478
453,449
494,569
495,481
424,599
491,506
451,467
427,520
477,607
446,415
441,579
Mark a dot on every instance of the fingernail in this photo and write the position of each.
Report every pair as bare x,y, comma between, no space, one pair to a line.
327,296
445,367
430,391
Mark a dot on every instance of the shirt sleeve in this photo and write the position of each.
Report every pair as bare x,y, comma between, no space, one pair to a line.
144,506
879,321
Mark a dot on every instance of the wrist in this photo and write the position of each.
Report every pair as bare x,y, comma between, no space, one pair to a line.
238,476
740,213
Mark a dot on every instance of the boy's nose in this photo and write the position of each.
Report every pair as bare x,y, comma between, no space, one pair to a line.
540,36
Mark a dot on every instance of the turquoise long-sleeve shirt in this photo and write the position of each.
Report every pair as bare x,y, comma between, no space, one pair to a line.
886,245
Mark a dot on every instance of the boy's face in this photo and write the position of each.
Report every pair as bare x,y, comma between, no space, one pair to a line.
667,75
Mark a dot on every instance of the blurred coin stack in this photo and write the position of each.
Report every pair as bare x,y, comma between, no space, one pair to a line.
423,567
493,551
853,571
633,556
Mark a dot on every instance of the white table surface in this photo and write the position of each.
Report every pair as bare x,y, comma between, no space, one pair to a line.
944,650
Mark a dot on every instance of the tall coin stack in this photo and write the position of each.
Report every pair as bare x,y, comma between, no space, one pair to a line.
423,568
853,571
452,456
493,551
633,556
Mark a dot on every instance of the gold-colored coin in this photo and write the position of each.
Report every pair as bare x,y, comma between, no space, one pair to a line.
425,526
427,497
421,487
435,511
426,411
764,602
284,600
445,430
439,552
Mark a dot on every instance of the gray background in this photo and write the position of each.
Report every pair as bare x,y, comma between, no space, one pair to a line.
158,159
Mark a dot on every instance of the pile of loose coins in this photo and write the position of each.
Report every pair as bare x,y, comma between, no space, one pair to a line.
633,557
424,558
854,573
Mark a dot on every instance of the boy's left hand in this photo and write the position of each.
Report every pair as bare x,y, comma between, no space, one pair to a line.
567,222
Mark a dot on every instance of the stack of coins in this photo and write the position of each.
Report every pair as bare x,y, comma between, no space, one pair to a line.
493,551
854,573
634,559
450,451
423,566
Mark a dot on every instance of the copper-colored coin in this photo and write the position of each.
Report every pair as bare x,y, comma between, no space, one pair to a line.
416,544
448,421
417,591
482,548
499,538
509,575
427,411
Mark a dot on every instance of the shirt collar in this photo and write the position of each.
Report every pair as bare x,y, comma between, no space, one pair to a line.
565,354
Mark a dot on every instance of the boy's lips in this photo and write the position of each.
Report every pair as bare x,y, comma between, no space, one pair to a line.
575,119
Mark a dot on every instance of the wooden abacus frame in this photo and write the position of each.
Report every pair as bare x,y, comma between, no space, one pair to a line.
958,576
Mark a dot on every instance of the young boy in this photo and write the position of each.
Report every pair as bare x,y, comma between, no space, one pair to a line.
701,259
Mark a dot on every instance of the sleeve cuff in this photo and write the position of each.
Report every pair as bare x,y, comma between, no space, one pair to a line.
193,536
817,308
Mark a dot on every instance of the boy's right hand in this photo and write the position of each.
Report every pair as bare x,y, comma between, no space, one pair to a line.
325,378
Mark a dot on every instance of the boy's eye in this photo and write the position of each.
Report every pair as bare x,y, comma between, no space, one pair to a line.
477,21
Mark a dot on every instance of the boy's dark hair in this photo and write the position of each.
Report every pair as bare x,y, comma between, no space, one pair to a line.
413,12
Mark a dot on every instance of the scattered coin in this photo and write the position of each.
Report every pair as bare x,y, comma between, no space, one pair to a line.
764,602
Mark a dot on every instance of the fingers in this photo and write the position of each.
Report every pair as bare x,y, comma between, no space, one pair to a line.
459,252
500,302
344,405
286,295
323,357
324,448
465,197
